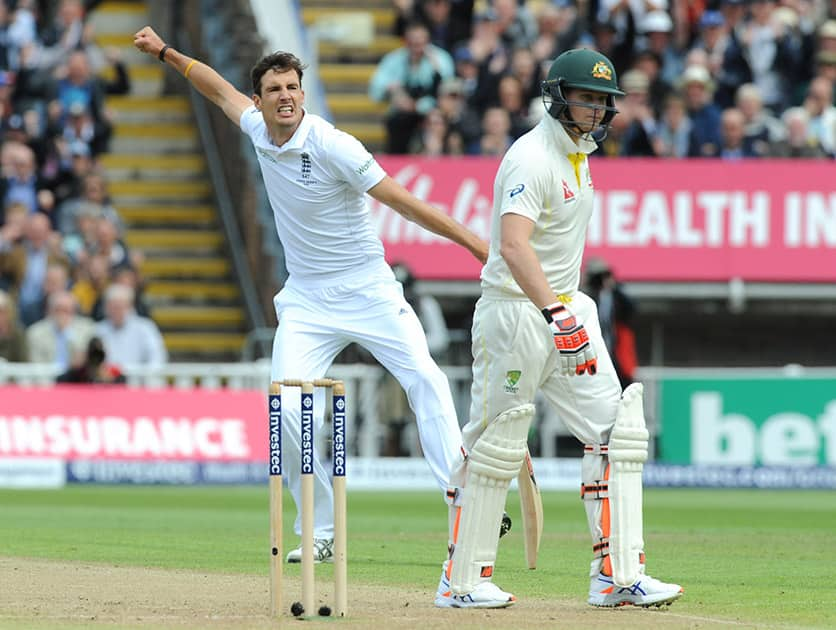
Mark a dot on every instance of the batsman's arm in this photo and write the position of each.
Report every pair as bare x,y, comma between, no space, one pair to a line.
391,193
515,248
204,79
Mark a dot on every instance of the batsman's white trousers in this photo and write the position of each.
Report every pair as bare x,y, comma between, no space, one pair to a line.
514,356
367,308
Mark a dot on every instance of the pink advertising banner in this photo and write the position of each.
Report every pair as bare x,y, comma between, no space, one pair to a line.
119,423
654,220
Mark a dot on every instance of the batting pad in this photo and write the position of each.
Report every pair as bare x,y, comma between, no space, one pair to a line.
493,462
627,454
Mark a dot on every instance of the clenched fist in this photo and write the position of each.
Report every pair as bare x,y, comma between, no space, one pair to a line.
147,41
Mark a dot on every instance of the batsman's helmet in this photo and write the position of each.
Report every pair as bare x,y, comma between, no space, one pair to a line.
584,69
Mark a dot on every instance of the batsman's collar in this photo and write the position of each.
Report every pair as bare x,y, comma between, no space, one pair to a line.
564,141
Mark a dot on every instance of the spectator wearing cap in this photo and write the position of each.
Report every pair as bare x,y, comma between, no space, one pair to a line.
129,339
697,87
713,38
761,129
798,143
637,138
822,113
408,78
462,121
467,70
673,132
657,29
62,335
826,36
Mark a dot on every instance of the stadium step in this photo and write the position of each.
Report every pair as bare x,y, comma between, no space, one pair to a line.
140,109
171,267
382,17
147,166
168,215
192,291
118,17
158,181
347,63
181,191
154,137
174,240
356,105
191,317
205,346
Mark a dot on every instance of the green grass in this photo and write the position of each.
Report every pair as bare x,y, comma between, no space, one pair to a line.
757,557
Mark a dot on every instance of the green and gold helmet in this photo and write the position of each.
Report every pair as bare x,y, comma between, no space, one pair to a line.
583,69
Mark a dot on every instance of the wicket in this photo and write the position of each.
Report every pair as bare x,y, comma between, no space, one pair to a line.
307,508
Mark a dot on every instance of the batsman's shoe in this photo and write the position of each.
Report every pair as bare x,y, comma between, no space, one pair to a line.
646,592
323,551
485,595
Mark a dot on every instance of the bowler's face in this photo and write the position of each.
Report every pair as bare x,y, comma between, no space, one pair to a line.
281,100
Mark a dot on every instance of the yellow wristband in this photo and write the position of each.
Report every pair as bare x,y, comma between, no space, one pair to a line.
189,67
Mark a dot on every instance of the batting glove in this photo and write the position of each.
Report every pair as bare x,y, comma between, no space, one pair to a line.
577,356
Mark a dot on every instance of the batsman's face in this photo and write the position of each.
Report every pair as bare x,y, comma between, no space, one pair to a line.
586,108
281,100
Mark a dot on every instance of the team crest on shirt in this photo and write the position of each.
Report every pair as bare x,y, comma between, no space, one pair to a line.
512,379
306,178
568,195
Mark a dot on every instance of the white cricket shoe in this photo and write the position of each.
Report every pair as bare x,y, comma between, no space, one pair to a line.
647,591
323,551
485,595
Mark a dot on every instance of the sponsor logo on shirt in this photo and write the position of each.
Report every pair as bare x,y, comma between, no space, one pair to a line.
366,166
267,155
568,195
516,191
512,378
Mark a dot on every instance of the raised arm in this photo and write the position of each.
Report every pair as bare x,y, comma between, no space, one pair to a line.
391,193
204,79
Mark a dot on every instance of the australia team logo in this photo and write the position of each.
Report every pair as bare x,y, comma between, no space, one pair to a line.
602,71
512,379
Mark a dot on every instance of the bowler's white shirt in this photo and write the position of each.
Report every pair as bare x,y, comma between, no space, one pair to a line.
536,179
316,184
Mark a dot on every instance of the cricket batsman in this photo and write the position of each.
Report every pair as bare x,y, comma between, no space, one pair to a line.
533,329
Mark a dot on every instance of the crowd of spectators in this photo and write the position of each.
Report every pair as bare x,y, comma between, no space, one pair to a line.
725,79
65,271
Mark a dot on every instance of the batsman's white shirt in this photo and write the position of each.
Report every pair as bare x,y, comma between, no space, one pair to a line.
341,291
545,177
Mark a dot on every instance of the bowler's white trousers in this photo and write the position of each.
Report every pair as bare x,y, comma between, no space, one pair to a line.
514,356
368,308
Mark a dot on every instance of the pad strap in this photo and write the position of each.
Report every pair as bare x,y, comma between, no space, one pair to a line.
595,491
